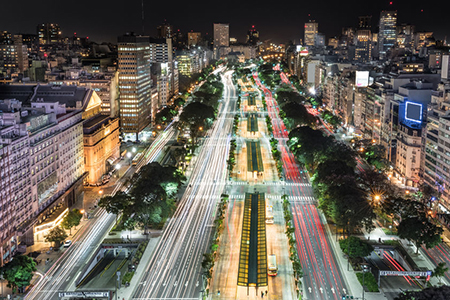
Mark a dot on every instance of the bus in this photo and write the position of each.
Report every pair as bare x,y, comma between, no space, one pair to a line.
136,159
269,214
272,268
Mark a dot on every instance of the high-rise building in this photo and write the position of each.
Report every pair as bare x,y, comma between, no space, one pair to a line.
221,35
365,22
134,83
405,36
252,36
49,33
165,31
311,29
387,36
194,38
13,54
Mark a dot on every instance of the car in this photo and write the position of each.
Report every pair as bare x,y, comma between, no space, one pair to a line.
67,243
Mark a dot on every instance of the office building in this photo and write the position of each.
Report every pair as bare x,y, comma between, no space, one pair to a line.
165,31
194,38
134,83
49,33
252,36
51,119
13,54
221,35
387,36
311,29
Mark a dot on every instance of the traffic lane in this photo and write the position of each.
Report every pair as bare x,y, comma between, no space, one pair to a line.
229,123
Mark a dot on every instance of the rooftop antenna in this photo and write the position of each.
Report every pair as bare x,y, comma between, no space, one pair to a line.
143,28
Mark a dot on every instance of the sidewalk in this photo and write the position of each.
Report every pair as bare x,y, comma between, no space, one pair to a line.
351,281
127,292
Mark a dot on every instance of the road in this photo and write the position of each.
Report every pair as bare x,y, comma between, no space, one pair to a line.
174,271
322,275
61,276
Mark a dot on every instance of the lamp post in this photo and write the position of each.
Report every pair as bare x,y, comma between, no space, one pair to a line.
366,269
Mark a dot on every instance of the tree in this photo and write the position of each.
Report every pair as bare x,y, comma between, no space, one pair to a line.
19,272
307,144
333,172
195,116
295,114
440,270
348,206
431,293
355,247
375,156
116,204
420,231
72,219
56,235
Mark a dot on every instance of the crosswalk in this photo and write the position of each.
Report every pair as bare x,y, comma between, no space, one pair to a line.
291,199
271,183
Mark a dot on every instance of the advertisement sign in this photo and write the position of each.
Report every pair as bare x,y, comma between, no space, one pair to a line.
362,78
406,273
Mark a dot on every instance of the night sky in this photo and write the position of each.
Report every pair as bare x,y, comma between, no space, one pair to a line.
103,20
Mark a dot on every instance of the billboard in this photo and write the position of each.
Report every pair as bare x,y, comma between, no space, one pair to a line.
413,112
445,67
362,78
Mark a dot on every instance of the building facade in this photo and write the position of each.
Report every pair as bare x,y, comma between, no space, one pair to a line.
387,37
134,83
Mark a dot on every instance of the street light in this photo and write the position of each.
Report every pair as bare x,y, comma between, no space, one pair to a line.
366,269
134,149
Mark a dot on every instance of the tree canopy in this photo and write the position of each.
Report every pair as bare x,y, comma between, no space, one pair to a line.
431,293
19,272
195,116
355,247
56,235
421,231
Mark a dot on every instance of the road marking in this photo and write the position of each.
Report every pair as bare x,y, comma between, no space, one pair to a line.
67,278
186,283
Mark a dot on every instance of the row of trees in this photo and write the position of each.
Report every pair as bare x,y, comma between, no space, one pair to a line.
290,230
210,257
198,116
268,76
150,201
334,180
292,111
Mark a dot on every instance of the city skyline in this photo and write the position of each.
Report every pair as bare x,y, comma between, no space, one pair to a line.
103,22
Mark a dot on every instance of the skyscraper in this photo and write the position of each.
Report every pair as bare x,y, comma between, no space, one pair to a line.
311,29
165,31
194,38
49,33
221,35
363,40
134,83
252,36
387,36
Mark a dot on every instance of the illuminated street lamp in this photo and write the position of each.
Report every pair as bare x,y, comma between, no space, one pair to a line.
134,149
129,155
100,192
